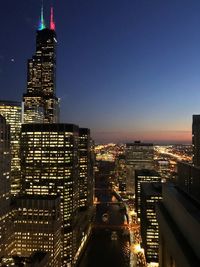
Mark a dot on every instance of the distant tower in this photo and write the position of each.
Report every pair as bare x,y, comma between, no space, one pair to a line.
40,102
196,139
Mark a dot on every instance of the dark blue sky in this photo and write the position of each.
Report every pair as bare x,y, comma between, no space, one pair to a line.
127,69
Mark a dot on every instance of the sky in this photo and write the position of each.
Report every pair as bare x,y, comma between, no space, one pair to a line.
127,69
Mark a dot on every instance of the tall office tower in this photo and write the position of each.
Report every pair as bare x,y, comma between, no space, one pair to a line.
11,111
196,139
143,176
4,185
50,166
40,102
86,170
37,227
83,227
151,193
138,156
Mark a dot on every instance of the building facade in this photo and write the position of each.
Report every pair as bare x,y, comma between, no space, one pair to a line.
11,111
4,186
138,156
37,227
50,166
40,102
143,176
86,174
151,193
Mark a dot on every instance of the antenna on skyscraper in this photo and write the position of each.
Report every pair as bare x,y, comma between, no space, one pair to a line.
52,22
41,23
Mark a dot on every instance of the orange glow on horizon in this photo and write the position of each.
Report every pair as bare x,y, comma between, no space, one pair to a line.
153,136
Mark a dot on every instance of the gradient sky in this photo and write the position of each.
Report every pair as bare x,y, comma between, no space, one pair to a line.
127,69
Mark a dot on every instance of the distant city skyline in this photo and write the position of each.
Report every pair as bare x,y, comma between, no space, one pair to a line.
128,69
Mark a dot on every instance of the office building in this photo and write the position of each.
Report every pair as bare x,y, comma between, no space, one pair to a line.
37,227
4,186
86,169
138,156
11,111
151,193
40,102
143,176
50,166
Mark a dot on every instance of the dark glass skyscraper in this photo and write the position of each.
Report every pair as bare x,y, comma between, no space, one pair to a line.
40,102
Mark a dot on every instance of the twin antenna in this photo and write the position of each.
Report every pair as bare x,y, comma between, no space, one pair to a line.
42,23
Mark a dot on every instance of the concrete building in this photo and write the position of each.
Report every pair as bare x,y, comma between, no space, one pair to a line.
138,156
11,111
151,193
143,176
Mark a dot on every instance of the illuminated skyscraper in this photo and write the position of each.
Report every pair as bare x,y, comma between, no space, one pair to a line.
143,176
4,185
50,166
151,193
86,168
11,111
40,102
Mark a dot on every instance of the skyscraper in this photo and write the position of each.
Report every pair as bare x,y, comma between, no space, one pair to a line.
86,169
151,193
196,139
143,176
11,111
50,166
40,102
4,185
